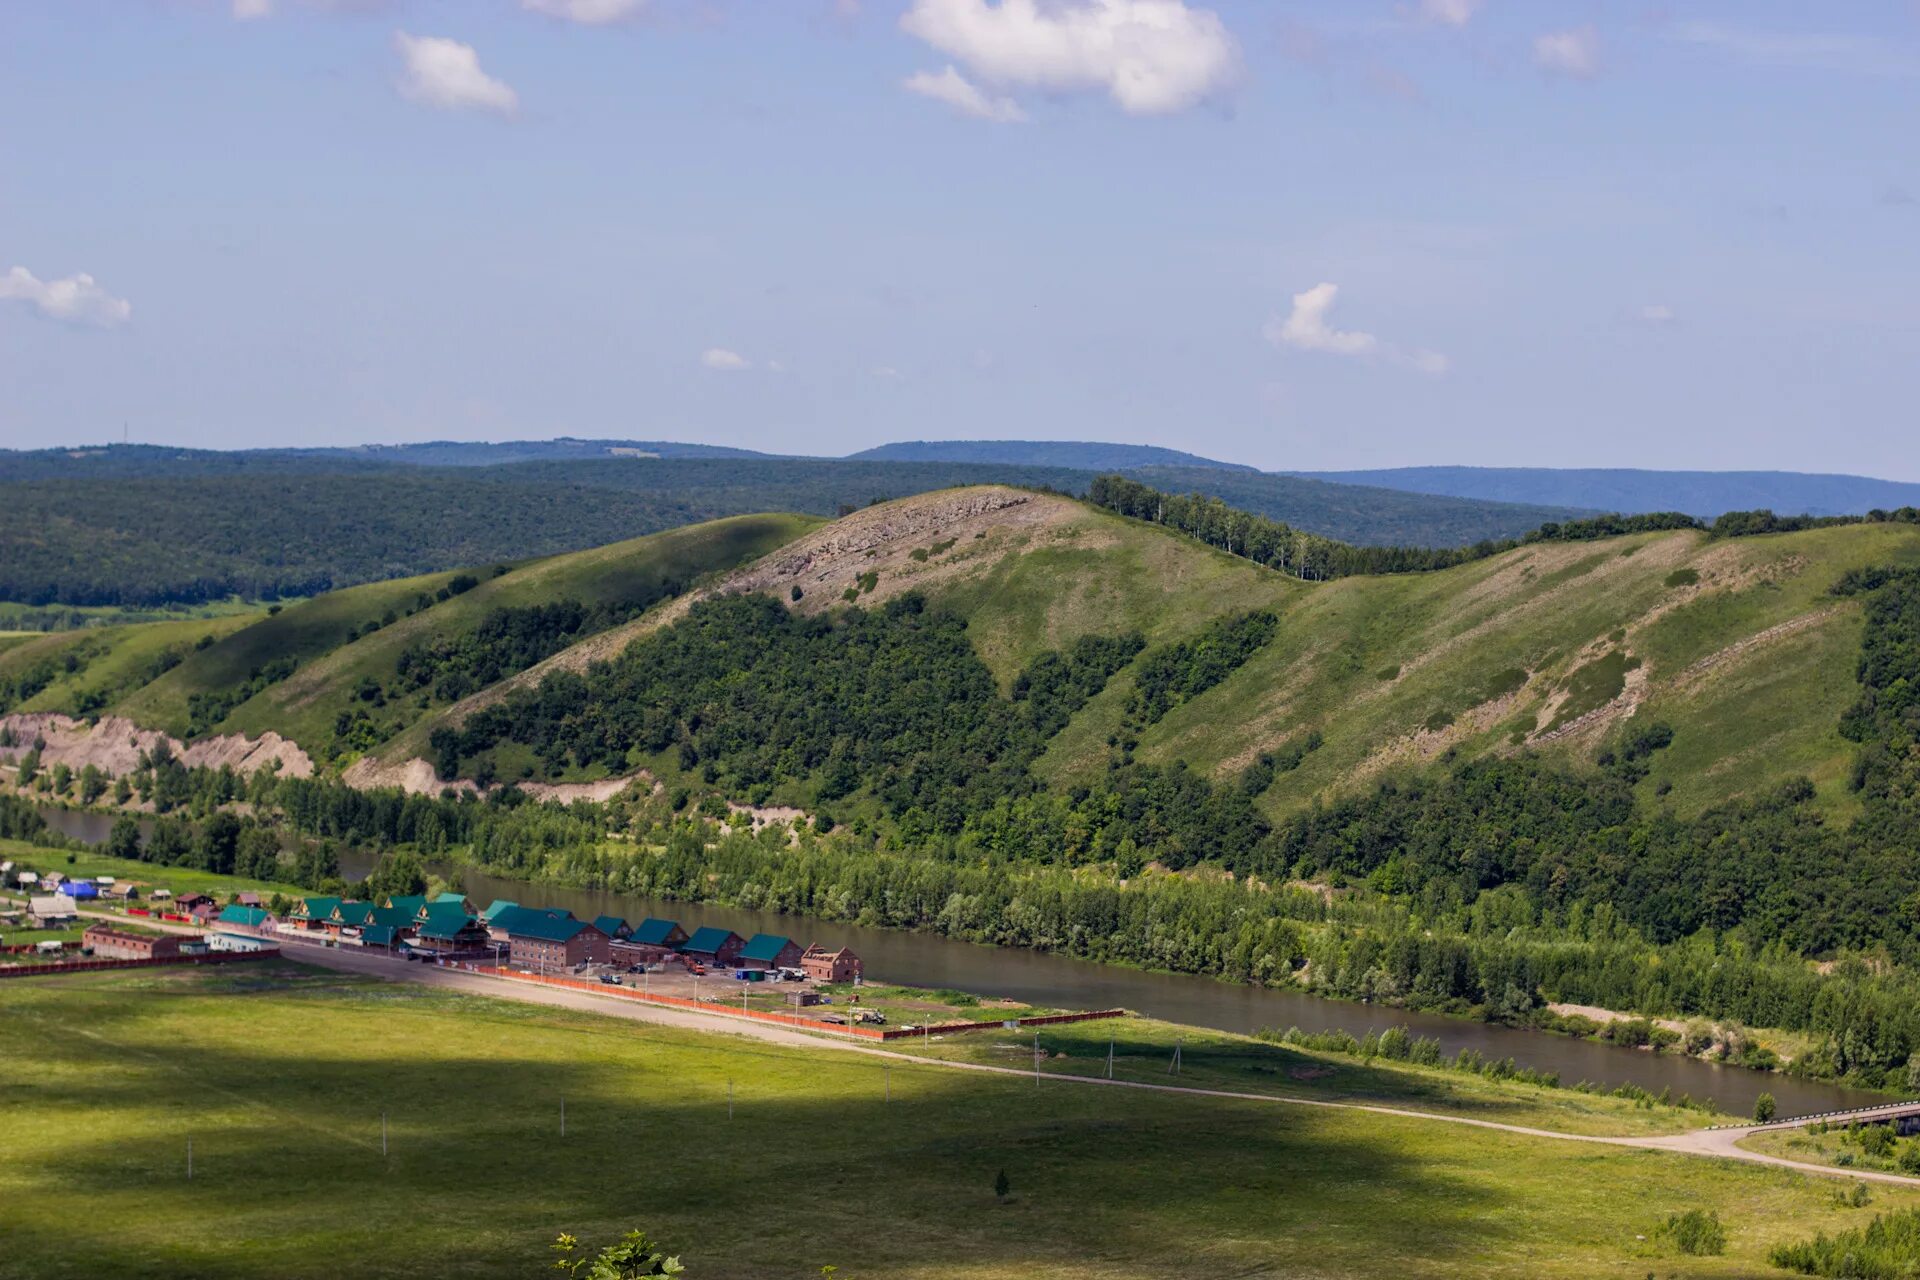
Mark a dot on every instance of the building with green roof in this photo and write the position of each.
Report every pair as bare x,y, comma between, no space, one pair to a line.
313,913
245,917
612,926
655,932
448,927
408,902
770,951
713,946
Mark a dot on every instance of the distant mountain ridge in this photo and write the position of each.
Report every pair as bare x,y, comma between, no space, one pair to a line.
1081,455
1698,493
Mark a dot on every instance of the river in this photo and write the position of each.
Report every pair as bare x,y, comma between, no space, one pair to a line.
929,960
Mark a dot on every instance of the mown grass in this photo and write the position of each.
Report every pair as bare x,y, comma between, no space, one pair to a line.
280,1077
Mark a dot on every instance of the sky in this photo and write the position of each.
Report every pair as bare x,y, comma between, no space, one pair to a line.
1311,235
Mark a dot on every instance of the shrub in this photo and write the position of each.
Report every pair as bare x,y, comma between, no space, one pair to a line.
1696,1232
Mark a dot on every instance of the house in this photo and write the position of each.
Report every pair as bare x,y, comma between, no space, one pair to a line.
495,908
28,879
52,911
126,890
79,889
540,941
459,898
409,903
612,926
109,943
191,901
713,946
655,932
823,965
310,914
501,927
248,898
160,895
650,942
445,927
349,917
769,951
244,917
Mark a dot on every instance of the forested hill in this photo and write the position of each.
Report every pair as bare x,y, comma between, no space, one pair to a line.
1698,493
139,525
1078,454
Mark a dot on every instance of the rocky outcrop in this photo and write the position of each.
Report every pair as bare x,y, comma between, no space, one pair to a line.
114,745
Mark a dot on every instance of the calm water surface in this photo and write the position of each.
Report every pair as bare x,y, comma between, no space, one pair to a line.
928,960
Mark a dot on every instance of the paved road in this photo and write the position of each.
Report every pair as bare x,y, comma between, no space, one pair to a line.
1719,1143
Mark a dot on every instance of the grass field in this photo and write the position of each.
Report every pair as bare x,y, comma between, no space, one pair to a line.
85,865
279,1075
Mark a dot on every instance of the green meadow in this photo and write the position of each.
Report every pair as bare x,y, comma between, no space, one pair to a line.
752,1160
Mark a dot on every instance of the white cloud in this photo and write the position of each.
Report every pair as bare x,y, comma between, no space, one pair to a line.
1305,328
1569,53
724,360
247,10
445,73
1658,315
964,96
885,373
1449,13
588,13
1151,56
76,299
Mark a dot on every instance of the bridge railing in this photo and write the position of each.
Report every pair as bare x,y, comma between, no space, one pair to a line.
1898,1106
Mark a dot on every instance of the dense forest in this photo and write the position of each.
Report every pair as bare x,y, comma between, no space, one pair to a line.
178,527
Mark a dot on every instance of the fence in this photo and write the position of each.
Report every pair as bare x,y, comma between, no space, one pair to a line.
786,1019
87,966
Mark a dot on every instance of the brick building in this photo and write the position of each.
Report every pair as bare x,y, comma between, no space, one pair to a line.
109,943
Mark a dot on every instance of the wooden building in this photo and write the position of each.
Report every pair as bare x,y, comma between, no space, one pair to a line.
713,946
543,944
769,951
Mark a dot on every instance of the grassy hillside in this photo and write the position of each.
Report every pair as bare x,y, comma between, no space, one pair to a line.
1737,644
342,640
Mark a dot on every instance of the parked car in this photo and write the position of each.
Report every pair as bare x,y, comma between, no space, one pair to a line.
611,979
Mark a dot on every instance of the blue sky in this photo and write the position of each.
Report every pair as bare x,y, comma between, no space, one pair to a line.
1554,233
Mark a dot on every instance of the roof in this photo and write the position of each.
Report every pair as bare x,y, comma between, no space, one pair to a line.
444,920
460,898
408,902
610,925
315,908
654,932
495,908
391,918
353,913
509,917
708,940
378,935
545,928
54,904
252,917
765,947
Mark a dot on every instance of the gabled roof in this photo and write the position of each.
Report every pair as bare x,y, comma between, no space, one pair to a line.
377,935
315,908
408,902
513,914
655,932
708,941
252,917
460,898
353,913
765,947
445,920
495,908
390,918
545,928
612,926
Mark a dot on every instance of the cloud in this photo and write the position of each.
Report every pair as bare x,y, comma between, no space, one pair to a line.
724,360
1305,328
1152,57
1449,13
1802,50
247,10
885,373
1657,315
445,73
588,13
964,96
76,299
1573,53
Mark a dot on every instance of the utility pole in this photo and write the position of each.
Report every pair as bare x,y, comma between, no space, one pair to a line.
1109,1057
888,1071
189,1158
563,1115
1036,1059
383,1135
729,1097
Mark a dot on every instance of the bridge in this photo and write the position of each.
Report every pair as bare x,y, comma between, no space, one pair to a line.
1904,1114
